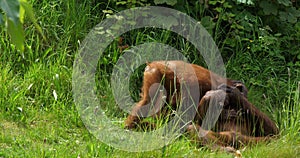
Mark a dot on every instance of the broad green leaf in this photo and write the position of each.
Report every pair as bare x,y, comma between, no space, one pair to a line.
208,24
290,15
171,2
22,14
213,2
29,12
11,8
268,7
121,3
16,33
285,2
227,5
108,11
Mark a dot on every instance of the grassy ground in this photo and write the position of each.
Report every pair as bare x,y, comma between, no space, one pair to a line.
38,117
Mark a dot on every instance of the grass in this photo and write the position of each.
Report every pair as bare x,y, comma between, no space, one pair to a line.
38,117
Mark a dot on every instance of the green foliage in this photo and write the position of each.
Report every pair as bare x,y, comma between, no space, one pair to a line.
17,34
25,7
268,7
11,8
14,16
169,2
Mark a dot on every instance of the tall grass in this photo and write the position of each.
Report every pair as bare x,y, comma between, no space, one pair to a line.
289,116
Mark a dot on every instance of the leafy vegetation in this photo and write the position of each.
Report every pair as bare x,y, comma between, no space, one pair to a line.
14,18
259,42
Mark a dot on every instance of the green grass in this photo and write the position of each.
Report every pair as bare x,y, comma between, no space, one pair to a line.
38,117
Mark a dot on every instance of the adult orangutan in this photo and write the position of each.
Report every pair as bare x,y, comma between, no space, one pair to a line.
239,120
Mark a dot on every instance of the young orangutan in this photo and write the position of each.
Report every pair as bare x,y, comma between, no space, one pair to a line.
239,121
